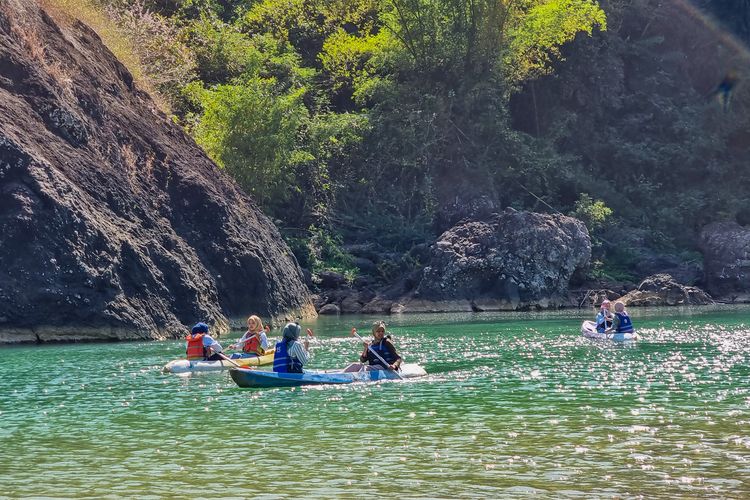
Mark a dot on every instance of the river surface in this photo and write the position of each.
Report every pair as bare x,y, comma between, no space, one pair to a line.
514,404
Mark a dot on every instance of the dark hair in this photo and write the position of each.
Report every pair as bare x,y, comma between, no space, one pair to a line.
200,328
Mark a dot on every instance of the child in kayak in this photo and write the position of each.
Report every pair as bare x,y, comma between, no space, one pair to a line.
604,318
291,355
200,345
254,342
621,322
382,346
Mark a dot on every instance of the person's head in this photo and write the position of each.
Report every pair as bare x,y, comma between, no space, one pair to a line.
200,328
254,324
619,307
378,329
606,304
291,332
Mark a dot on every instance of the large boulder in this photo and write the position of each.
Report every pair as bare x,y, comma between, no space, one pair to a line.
726,259
511,260
114,224
663,290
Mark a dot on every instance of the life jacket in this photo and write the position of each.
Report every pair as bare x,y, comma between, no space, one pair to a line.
625,325
252,345
384,352
282,362
195,349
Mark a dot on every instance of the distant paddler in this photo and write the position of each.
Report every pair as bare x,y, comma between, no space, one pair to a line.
622,322
254,342
291,355
201,346
604,317
380,353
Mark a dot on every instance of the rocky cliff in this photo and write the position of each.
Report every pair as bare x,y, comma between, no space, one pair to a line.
113,223
726,254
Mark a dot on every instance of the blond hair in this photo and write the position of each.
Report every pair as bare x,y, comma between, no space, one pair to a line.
377,325
619,306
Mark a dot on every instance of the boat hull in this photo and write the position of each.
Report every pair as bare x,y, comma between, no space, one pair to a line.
186,366
257,378
588,330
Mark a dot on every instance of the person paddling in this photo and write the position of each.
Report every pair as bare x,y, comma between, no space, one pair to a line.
622,322
291,355
200,345
383,346
604,318
254,342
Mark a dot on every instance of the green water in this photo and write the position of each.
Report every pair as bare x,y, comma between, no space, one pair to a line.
515,404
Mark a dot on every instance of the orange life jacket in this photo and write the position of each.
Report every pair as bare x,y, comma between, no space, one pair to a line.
252,345
195,349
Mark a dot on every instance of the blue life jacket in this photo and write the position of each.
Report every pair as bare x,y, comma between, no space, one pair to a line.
381,349
282,362
625,325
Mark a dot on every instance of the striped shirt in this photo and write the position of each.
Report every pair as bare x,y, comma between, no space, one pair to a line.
297,350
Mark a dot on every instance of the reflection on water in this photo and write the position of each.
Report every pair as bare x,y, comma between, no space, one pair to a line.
515,404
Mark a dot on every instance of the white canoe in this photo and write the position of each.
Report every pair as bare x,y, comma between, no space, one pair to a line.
186,366
588,330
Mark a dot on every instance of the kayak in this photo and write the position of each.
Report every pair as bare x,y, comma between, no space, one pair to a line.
355,372
588,330
186,366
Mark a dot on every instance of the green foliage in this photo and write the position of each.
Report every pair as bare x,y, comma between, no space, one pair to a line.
537,35
617,268
221,52
592,213
325,252
252,132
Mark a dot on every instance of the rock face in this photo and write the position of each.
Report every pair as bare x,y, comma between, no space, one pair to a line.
113,223
663,290
511,260
726,259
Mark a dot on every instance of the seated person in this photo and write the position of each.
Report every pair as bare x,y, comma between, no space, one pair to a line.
604,318
254,342
381,345
622,322
291,355
201,346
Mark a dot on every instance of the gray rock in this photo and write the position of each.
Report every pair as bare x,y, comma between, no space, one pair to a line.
512,260
329,309
726,259
663,290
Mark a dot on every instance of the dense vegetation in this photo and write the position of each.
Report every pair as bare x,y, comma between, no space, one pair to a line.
388,120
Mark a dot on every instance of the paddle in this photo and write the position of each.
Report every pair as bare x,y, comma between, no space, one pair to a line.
369,347
222,355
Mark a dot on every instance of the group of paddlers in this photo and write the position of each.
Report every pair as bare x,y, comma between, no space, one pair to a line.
289,354
617,322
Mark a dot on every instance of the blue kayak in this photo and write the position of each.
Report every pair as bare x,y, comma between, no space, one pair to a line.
355,372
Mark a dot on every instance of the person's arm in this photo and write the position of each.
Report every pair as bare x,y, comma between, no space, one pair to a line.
240,341
263,340
299,352
211,344
392,350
